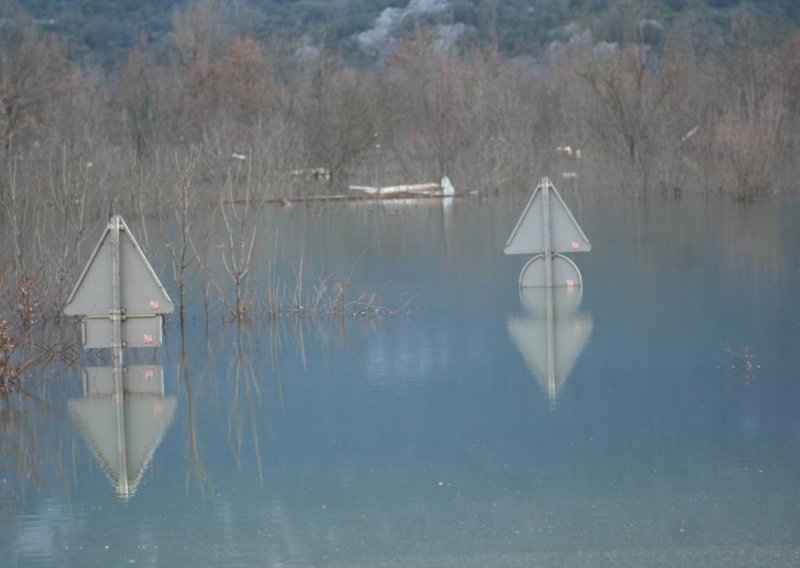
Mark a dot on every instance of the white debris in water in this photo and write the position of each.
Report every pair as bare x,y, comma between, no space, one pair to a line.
447,186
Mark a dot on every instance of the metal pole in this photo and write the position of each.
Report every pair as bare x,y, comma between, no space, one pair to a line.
548,283
116,310
548,247
116,349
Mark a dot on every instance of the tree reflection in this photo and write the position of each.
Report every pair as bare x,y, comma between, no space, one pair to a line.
33,445
197,470
246,399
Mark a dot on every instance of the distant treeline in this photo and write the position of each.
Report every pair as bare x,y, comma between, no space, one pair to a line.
660,110
104,31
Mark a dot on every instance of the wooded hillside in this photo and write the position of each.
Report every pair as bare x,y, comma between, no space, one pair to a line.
103,31
655,105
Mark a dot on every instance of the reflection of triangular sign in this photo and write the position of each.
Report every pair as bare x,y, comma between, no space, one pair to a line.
565,233
569,335
146,420
136,379
141,293
551,356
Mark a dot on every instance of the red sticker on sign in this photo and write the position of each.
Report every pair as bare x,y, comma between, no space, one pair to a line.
575,246
570,283
155,304
148,338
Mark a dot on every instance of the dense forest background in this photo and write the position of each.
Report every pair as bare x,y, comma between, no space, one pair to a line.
669,96
117,99
103,31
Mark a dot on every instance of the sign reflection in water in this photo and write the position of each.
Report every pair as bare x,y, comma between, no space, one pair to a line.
551,334
123,430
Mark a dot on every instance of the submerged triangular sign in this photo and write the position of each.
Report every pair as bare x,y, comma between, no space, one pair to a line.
565,233
141,292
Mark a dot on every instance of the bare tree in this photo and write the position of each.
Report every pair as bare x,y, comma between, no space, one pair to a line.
748,130
334,115
30,68
182,250
238,217
631,83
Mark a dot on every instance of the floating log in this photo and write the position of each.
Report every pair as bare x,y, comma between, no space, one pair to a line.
441,189
361,193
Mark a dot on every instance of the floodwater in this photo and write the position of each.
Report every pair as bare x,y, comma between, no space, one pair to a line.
662,429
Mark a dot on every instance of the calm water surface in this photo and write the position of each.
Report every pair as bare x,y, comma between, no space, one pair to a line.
437,438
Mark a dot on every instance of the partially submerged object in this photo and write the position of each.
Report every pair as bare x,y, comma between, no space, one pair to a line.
547,228
443,188
120,301
118,296
553,333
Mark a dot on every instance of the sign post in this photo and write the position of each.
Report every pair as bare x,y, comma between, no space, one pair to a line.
547,228
118,297
121,304
116,349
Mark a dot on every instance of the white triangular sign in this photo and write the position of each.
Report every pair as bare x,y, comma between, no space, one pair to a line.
565,233
141,293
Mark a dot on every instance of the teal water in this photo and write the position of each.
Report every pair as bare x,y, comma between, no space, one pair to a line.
431,438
